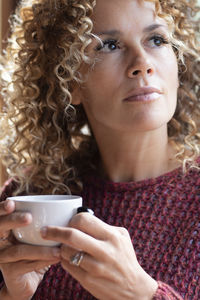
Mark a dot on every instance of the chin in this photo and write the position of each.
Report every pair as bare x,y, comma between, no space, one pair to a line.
148,123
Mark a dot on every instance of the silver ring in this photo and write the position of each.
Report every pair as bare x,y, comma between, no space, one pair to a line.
77,258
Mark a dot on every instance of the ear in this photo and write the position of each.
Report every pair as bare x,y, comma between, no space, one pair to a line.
76,95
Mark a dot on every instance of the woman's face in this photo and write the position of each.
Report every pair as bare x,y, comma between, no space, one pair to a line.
133,84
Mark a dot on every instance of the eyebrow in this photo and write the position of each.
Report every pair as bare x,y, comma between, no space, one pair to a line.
117,32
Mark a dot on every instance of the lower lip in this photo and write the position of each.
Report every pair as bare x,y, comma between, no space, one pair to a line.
143,98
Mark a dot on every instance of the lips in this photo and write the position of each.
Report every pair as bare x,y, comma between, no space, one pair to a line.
144,94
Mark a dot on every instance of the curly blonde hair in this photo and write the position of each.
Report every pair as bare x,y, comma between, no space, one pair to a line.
43,143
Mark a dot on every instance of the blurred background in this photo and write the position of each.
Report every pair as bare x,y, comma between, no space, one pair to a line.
6,8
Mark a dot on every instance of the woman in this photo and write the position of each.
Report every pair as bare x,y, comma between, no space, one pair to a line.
129,71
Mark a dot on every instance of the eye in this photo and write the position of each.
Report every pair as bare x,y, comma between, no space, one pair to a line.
158,40
108,46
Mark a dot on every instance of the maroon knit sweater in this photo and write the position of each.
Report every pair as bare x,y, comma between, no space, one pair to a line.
162,216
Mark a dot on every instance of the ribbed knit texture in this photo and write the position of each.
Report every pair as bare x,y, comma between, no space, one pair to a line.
162,216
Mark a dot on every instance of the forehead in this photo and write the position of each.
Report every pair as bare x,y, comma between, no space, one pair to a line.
124,14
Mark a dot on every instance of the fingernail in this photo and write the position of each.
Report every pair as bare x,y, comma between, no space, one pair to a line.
7,205
56,252
24,216
43,231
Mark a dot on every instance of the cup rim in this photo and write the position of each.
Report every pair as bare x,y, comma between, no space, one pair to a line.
44,198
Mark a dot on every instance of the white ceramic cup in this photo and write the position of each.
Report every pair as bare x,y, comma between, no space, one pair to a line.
46,210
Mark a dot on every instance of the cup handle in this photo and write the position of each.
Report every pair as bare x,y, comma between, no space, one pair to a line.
82,209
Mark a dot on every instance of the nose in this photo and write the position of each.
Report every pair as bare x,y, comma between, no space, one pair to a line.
140,66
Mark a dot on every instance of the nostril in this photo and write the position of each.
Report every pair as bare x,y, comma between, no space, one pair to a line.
136,72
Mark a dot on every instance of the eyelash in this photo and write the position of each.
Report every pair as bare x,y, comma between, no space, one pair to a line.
161,38
106,42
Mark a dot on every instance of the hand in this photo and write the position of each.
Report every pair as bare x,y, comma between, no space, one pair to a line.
23,266
109,269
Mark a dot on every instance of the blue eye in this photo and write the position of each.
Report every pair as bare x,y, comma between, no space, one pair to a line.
108,46
158,40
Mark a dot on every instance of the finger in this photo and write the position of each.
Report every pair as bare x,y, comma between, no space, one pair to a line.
27,252
14,220
93,284
23,267
100,287
88,262
78,273
75,239
98,229
39,266
7,207
91,225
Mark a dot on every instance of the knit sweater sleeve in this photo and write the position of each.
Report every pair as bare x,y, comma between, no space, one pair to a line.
165,292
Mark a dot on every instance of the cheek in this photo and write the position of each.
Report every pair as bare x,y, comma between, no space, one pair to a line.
168,71
171,68
173,84
108,67
102,83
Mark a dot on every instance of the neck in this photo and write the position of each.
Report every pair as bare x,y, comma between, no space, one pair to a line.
134,157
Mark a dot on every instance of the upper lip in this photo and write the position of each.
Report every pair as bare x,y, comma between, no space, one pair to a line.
143,91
